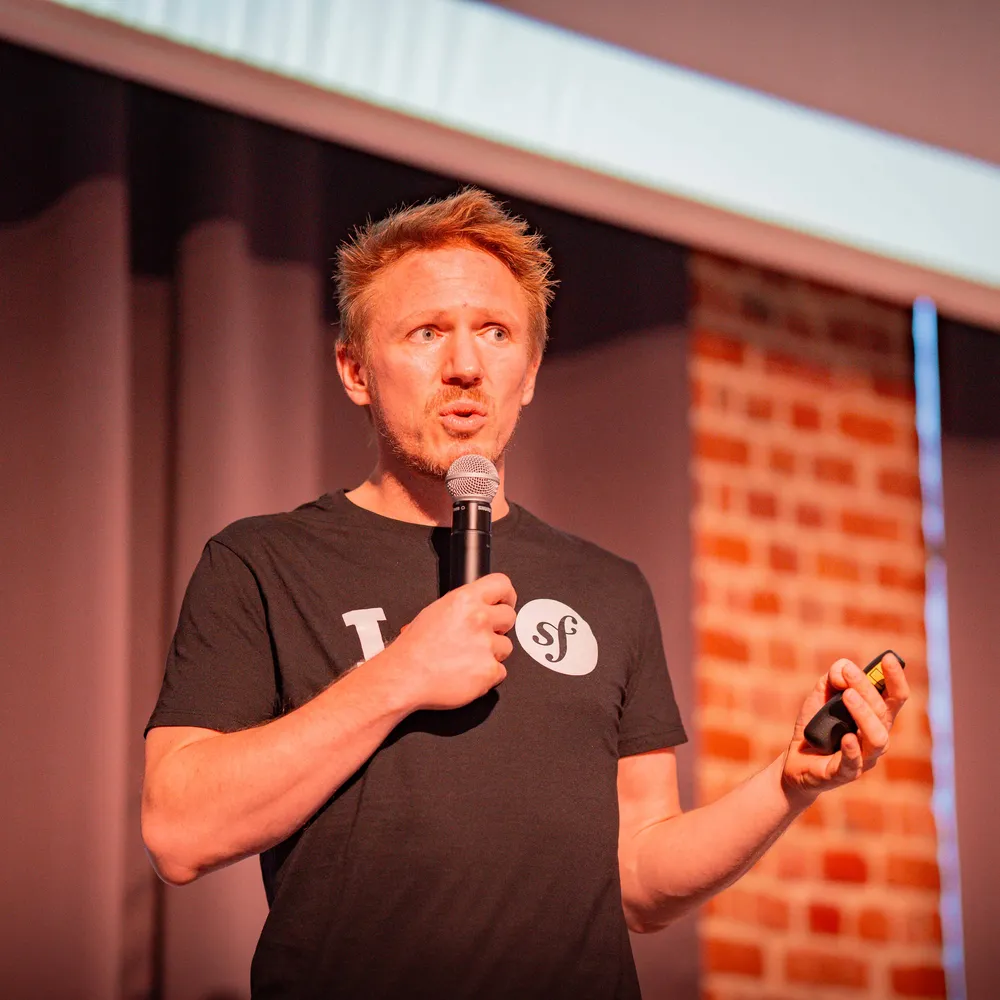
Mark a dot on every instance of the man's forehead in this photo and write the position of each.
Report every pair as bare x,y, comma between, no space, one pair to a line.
439,281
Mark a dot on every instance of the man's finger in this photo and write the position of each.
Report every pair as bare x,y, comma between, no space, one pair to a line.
851,763
838,680
871,728
897,687
502,617
502,647
859,682
495,588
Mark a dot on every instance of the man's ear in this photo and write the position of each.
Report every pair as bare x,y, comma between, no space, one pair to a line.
528,393
353,375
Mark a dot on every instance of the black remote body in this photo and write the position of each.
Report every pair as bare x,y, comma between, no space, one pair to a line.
834,721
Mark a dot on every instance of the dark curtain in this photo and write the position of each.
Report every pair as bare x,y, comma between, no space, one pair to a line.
970,452
165,309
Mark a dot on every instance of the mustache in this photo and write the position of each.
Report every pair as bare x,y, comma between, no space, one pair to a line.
454,393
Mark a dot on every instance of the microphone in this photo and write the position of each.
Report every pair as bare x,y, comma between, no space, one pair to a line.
473,482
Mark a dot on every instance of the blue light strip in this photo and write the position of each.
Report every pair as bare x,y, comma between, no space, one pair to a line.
926,376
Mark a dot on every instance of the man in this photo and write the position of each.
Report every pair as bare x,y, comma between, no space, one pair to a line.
468,795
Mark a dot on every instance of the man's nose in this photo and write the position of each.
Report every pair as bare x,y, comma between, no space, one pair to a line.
462,363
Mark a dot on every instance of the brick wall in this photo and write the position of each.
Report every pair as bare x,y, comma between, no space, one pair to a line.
809,547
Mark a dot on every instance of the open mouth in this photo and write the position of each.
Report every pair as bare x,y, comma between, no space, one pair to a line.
463,415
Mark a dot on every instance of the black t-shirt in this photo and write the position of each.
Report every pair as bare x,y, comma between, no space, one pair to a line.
475,854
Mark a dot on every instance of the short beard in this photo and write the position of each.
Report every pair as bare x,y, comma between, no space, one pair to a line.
422,465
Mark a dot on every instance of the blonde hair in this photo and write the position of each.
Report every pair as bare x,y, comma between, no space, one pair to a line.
470,218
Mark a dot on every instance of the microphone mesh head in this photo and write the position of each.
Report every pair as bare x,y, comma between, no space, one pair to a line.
472,477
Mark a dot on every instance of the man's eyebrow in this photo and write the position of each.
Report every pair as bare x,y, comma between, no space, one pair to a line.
443,317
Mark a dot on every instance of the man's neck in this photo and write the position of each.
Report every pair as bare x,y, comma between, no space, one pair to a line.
404,495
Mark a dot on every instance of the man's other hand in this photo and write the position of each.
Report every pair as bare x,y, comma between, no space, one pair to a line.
807,772
453,651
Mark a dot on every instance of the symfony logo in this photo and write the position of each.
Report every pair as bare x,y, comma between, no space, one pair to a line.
555,636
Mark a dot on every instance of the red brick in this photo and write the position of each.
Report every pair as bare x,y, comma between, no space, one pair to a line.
805,417
901,579
894,388
781,655
869,430
723,646
727,548
721,448
915,769
779,363
707,344
799,325
823,969
696,393
829,469
863,816
834,567
864,525
760,504
751,908
737,600
915,820
792,863
844,866
897,483
727,745
734,957
873,925
770,702
737,905
919,981
809,515
755,308
775,279
772,913
783,461
826,657
783,559
824,919
759,408
712,296
923,928
813,816
915,873
812,611
713,694
865,336
765,602
875,620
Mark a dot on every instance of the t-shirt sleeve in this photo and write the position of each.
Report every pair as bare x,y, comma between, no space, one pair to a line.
220,670
650,718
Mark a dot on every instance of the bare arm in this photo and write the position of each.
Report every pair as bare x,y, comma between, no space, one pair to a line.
210,798
672,861
677,860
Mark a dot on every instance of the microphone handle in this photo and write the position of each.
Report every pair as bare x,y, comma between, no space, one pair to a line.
471,524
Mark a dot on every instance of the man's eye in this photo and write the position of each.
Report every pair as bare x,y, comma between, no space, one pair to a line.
424,335
498,334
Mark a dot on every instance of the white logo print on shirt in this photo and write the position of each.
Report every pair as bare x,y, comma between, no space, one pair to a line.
366,620
555,636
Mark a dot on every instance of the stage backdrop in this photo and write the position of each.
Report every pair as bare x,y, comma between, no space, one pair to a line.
167,325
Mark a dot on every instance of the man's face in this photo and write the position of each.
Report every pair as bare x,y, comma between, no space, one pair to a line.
450,362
